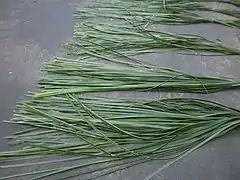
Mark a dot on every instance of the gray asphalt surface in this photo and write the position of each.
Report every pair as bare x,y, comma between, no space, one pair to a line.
31,32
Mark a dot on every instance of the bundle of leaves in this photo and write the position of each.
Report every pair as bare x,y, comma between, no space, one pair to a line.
112,134
131,38
171,12
73,76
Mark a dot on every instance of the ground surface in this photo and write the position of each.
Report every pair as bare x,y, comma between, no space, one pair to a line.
31,31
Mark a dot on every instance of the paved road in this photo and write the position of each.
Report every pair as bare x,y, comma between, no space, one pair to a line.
31,31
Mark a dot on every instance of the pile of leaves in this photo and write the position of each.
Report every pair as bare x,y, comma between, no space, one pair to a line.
69,132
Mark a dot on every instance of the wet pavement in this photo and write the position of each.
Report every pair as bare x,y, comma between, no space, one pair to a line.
32,31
